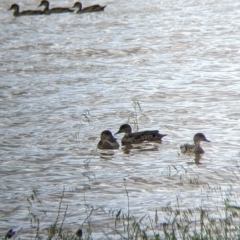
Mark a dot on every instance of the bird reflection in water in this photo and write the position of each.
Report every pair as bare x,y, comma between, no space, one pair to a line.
106,154
127,149
196,157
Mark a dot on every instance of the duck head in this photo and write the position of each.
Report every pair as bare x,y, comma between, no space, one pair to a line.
14,7
198,137
77,5
107,135
44,3
125,128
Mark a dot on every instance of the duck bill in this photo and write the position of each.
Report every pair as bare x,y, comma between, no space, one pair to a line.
117,132
206,140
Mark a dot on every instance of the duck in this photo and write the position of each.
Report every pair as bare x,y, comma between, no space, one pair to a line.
196,147
93,8
46,10
107,141
138,137
16,13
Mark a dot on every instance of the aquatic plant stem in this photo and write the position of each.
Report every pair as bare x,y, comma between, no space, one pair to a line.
128,210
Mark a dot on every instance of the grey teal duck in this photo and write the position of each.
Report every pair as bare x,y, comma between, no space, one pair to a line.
93,8
138,137
196,147
107,141
46,10
17,13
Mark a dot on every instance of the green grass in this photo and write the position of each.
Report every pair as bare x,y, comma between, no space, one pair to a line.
198,223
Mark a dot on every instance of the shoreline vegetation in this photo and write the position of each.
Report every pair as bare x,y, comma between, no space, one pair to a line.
172,221
199,223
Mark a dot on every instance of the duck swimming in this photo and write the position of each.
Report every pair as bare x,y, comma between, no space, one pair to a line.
138,137
16,13
93,8
196,148
46,10
107,141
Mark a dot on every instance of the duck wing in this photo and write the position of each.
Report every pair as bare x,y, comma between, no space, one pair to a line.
60,10
31,12
138,137
93,8
187,148
106,144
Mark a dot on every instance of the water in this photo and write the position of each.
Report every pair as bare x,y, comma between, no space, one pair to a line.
65,78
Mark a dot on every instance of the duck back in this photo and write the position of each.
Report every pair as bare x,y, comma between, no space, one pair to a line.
106,144
30,12
60,10
138,137
190,149
93,8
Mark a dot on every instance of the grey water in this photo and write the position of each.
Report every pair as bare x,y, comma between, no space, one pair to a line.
168,65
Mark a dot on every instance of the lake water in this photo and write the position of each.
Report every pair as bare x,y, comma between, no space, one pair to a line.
168,65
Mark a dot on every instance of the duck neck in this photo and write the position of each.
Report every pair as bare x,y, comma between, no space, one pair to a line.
16,11
197,145
46,6
80,7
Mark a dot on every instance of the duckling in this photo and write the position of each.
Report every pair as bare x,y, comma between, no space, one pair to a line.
196,148
93,8
107,141
138,137
16,13
46,10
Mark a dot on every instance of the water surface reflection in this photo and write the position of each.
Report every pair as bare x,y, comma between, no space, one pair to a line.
64,79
